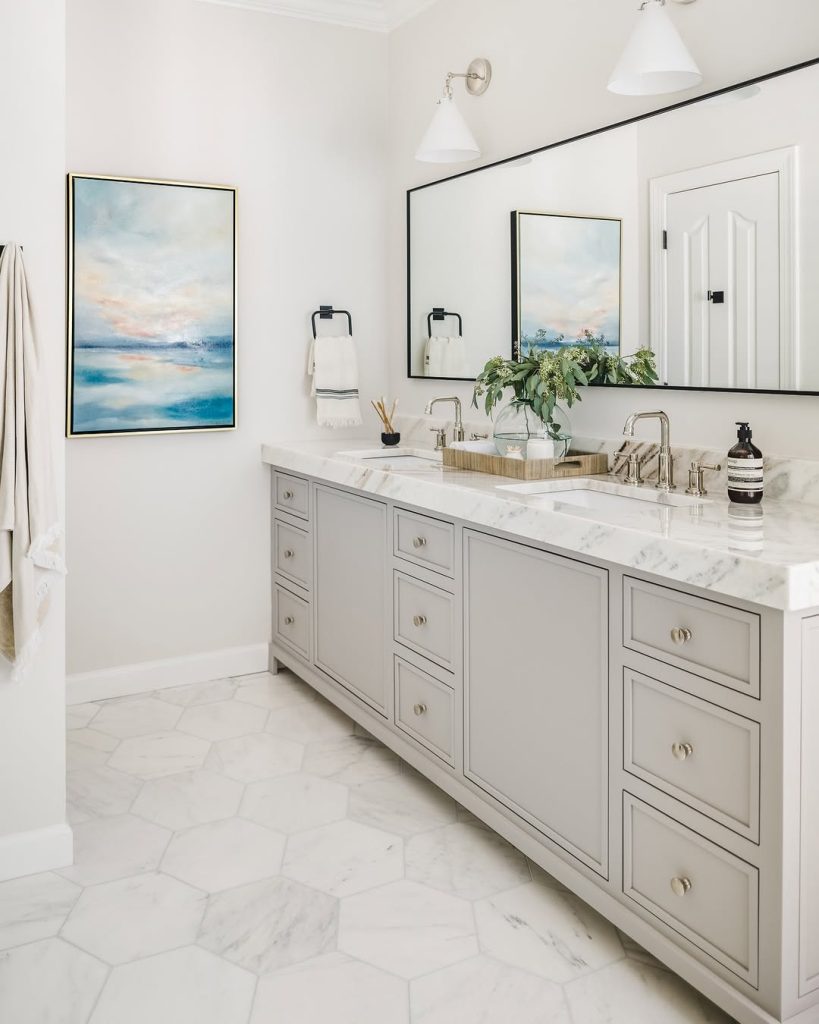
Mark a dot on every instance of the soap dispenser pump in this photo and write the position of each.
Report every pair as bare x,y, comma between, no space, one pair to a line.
745,469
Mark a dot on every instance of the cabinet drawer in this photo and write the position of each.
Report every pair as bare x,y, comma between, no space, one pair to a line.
712,640
292,554
695,751
424,709
704,893
292,621
291,494
424,619
425,541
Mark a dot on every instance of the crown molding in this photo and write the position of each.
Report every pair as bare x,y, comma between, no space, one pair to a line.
373,15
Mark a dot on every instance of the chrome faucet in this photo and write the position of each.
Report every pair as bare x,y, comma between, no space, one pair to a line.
665,467
458,429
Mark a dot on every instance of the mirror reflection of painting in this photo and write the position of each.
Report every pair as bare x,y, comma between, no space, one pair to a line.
152,326
567,281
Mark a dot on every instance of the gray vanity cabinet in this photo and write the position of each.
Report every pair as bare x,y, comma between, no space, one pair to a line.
536,689
351,593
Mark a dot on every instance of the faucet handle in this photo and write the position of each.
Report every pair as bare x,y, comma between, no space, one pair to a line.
696,478
440,437
632,460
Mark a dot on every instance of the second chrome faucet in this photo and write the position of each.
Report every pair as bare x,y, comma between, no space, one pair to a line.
665,466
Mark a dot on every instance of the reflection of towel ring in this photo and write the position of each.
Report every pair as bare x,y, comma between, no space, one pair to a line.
439,313
327,313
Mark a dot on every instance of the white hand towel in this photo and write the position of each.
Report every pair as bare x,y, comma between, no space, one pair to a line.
30,531
333,366
434,356
454,358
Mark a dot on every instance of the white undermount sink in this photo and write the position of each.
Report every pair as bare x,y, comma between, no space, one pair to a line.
395,458
601,496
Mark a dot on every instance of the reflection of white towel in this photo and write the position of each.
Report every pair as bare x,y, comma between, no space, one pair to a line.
444,357
30,531
333,366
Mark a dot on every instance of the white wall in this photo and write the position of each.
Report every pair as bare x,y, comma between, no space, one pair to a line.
169,545
551,60
33,835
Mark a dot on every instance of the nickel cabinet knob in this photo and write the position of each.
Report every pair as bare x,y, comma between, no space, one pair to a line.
288,495
419,542
681,635
289,620
680,886
288,553
420,709
419,620
682,751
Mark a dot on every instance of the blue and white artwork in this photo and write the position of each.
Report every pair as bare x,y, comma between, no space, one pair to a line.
568,281
152,330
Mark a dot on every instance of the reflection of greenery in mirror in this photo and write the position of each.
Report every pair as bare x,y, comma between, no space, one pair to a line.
541,380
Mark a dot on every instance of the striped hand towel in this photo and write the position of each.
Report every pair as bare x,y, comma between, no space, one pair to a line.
333,366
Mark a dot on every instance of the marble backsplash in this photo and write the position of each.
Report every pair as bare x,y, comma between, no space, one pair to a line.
786,479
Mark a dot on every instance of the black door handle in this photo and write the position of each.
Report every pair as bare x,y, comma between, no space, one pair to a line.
718,298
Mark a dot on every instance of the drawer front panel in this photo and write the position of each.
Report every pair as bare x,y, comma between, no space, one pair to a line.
424,709
290,494
694,751
424,619
292,620
425,541
292,554
704,893
712,640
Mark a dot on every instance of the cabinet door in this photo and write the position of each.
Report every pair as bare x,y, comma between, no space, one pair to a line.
536,728
352,599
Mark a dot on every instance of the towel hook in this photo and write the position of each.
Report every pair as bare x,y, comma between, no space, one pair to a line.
327,313
439,313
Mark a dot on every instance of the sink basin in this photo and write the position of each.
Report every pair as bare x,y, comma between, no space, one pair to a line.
395,458
602,496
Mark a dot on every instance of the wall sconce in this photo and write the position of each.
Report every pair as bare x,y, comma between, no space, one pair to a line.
448,139
655,60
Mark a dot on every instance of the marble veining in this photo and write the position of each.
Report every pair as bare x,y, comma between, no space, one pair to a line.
769,557
366,896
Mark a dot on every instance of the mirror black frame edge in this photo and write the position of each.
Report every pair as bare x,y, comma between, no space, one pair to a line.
565,142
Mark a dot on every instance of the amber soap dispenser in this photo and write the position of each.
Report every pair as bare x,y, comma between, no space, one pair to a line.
745,469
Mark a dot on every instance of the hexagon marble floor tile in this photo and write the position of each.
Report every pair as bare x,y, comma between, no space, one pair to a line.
246,855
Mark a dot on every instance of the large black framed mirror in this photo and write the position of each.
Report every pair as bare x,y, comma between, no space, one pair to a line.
692,230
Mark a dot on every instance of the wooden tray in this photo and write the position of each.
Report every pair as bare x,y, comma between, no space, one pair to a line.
574,464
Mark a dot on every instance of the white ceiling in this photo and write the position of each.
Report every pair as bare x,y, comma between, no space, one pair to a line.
376,15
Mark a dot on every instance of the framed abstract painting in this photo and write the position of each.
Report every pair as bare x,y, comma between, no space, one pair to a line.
151,306
566,287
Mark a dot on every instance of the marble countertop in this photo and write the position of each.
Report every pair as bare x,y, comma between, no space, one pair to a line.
767,554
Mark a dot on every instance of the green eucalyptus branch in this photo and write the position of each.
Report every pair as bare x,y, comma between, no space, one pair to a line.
542,379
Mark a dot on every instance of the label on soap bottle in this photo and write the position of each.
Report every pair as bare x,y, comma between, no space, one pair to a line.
745,475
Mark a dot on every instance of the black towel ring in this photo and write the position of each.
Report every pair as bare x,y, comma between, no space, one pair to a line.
439,313
327,313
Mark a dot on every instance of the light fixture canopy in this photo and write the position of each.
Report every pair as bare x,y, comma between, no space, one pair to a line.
448,140
655,60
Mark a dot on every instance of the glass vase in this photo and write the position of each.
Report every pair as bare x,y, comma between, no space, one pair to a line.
517,424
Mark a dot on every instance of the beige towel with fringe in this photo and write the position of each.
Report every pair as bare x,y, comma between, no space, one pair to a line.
30,532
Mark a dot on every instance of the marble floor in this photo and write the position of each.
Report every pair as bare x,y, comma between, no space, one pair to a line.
246,855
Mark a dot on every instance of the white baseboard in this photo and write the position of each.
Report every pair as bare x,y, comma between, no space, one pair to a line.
125,680
42,849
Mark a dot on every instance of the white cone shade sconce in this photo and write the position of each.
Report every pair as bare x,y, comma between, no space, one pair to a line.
448,140
655,60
